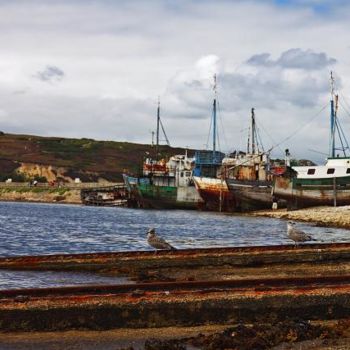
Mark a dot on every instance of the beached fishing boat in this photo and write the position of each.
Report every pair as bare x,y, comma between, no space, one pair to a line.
243,181
329,184
172,188
209,183
164,184
212,189
248,174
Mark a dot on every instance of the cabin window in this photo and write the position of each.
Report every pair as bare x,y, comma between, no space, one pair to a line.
348,170
311,171
182,174
330,171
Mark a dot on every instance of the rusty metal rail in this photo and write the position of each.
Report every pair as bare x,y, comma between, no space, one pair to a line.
264,296
234,256
264,284
174,304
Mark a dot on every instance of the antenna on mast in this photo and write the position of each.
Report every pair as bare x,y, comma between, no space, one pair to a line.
253,131
335,125
215,85
332,85
333,119
157,132
214,118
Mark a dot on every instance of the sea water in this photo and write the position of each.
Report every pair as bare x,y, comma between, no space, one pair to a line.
37,229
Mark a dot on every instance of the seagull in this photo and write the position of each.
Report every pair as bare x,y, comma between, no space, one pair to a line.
156,241
297,235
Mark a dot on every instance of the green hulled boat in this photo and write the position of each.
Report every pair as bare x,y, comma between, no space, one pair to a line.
329,184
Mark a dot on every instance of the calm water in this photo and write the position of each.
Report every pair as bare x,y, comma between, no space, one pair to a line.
29,229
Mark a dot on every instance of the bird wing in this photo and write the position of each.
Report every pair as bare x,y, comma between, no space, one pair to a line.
160,243
166,244
299,232
302,235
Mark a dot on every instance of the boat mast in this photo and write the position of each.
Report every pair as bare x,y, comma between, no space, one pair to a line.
333,116
160,125
214,119
253,131
157,132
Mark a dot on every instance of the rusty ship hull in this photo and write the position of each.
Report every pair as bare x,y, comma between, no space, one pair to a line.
169,197
301,193
215,193
162,193
251,195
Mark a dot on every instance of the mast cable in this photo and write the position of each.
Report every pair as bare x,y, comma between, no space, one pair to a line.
259,139
270,137
166,137
345,101
345,139
222,125
300,128
340,138
211,123
345,109
290,136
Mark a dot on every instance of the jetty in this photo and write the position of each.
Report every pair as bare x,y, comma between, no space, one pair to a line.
111,195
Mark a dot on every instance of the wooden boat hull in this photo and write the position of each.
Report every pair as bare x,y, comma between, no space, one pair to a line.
301,193
251,195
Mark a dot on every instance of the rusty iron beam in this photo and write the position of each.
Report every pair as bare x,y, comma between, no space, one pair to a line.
261,284
179,307
185,303
143,260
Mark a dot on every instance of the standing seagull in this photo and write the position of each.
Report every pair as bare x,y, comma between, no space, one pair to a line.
297,235
156,241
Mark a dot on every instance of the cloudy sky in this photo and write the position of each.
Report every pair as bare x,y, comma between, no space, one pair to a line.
95,69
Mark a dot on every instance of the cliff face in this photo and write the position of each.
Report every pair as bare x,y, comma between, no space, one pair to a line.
51,173
66,159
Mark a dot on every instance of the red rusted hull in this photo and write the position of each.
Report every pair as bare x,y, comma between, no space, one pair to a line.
215,194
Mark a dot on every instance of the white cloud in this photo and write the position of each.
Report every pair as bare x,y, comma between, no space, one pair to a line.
115,58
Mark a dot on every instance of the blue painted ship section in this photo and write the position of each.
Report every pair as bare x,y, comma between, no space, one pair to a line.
207,160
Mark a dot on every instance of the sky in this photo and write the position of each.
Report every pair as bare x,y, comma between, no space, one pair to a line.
95,69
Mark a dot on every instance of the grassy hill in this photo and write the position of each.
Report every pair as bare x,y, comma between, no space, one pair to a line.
84,158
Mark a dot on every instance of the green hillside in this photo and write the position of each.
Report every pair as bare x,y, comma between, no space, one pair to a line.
84,158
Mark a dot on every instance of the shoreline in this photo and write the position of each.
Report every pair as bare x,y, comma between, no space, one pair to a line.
40,195
338,217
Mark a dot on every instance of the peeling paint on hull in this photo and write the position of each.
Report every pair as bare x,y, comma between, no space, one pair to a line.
305,194
169,197
250,196
215,193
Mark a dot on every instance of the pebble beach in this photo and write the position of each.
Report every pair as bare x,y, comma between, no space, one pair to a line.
322,216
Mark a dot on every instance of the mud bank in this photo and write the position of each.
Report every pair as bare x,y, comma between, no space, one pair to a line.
41,195
323,216
289,335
